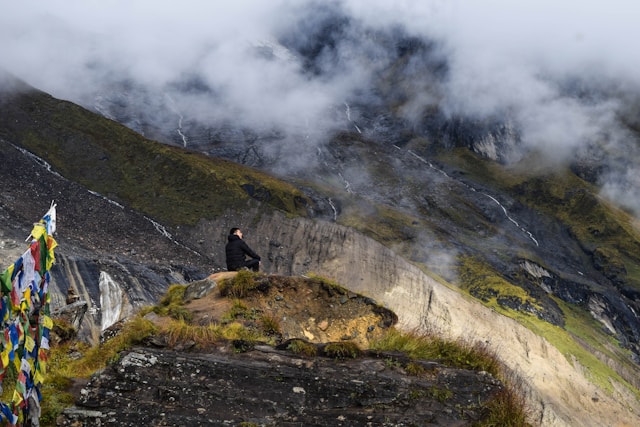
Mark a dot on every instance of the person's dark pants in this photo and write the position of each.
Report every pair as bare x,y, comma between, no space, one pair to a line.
251,264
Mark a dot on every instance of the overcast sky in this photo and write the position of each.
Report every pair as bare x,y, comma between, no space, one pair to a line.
499,49
501,52
503,55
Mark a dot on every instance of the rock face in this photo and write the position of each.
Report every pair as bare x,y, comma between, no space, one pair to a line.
151,387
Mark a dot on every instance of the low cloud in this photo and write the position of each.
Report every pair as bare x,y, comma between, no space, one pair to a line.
526,61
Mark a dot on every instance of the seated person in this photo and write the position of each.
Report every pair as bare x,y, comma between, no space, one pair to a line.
237,250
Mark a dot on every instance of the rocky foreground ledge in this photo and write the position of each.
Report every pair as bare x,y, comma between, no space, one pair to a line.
250,383
265,386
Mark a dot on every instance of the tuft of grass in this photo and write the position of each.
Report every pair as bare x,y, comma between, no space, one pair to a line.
174,295
238,310
414,369
507,407
302,347
239,286
97,357
342,350
181,331
180,313
440,394
238,331
172,303
64,329
457,354
270,325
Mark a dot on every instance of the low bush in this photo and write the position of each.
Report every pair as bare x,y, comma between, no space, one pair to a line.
239,286
302,347
342,350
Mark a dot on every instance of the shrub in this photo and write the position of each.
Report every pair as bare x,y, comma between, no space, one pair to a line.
180,331
298,346
458,354
238,286
507,407
342,350
172,302
270,325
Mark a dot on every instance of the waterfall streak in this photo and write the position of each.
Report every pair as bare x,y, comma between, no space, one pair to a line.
348,113
335,211
504,210
38,160
113,202
347,185
110,300
180,119
162,230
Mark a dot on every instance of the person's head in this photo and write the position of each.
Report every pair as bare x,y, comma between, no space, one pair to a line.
236,231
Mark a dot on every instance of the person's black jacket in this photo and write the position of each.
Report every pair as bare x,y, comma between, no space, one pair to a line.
236,250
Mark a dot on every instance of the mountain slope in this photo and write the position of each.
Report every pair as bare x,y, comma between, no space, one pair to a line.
107,235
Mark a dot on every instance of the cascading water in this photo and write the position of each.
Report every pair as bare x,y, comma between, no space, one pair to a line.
110,300
504,210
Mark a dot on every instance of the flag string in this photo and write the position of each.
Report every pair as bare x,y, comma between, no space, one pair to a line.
25,322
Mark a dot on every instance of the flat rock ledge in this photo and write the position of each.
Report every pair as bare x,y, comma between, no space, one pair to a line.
269,387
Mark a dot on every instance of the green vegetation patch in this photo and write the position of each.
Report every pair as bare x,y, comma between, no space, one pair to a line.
302,347
484,283
382,223
457,354
171,184
342,350
240,285
172,304
505,408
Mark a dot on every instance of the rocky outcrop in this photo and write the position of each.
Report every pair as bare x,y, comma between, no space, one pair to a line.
274,387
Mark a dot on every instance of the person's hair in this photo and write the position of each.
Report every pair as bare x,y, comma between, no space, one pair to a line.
233,230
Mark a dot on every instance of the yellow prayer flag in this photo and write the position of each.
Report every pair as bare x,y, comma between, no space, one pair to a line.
17,397
51,258
29,343
42,367
38,230
47,322
5,357
38,378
